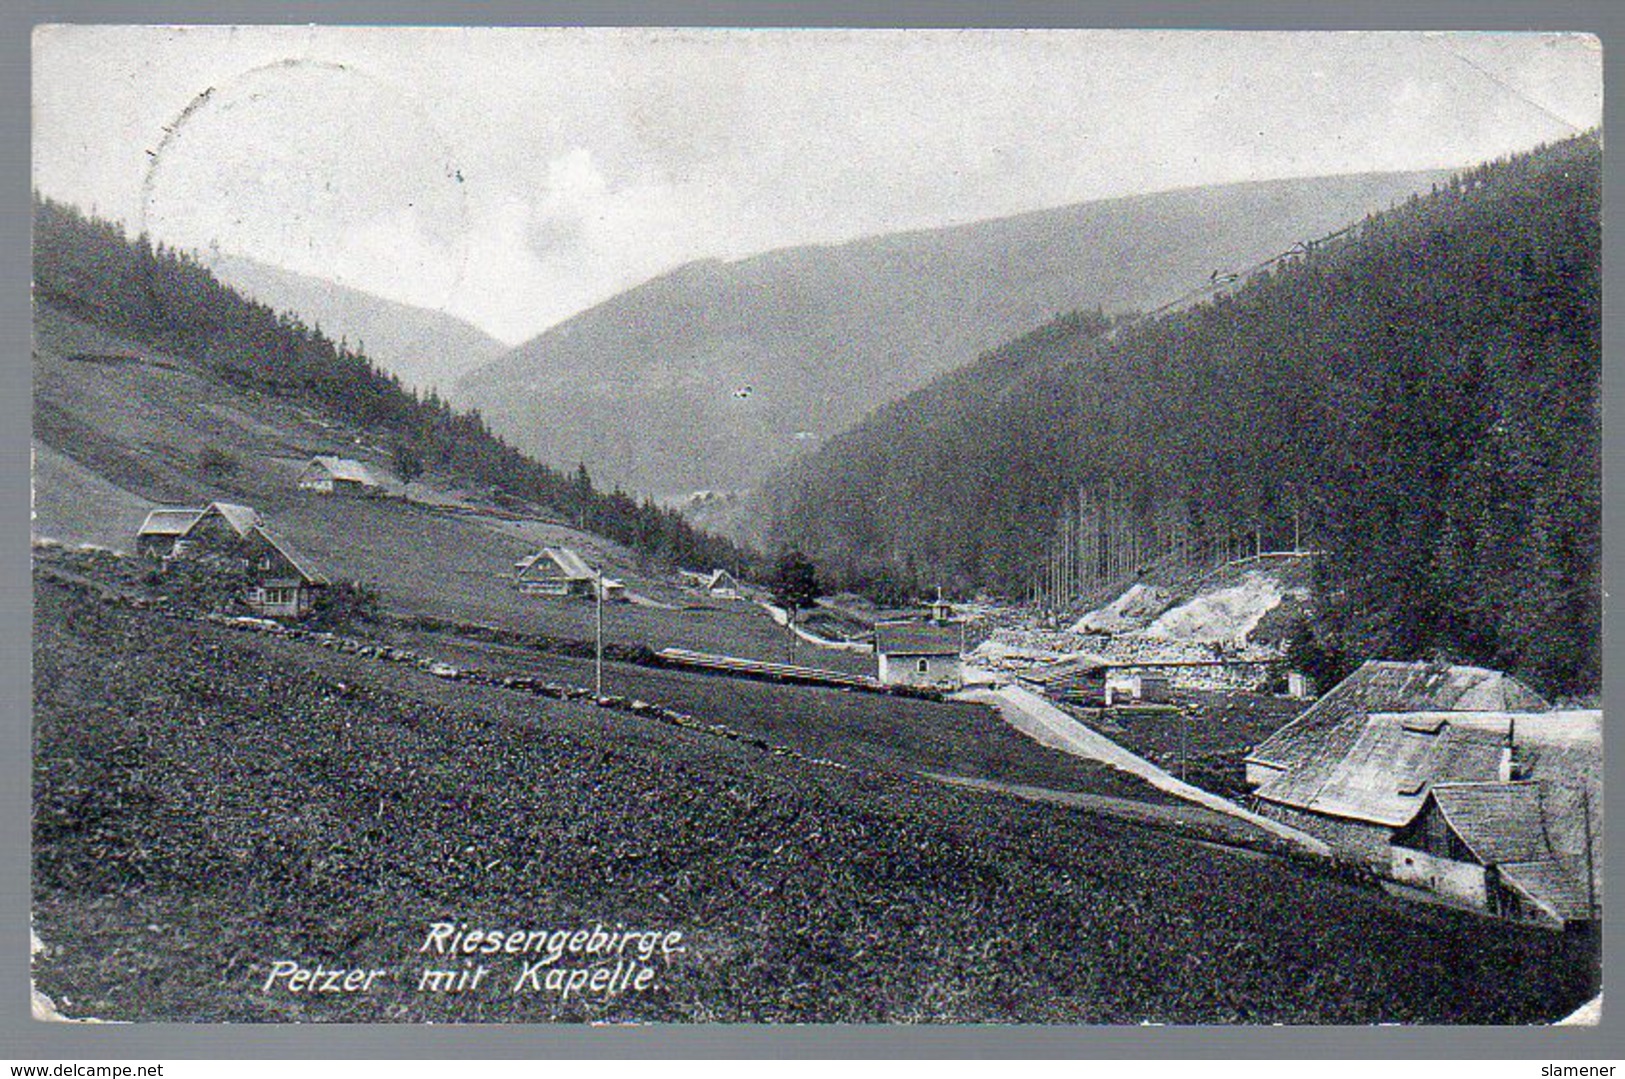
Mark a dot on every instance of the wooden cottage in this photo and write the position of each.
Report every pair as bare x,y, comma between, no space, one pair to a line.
163,529
718,584
230,538
281,586
175,532
555,571
337,475
924,655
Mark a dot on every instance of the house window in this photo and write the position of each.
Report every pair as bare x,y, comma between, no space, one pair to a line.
922,666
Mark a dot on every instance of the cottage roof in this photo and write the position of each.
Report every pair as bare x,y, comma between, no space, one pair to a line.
722,579
1330,726
241,518
309,576
1499,822
170,521
916,639
1553,884
1385,773
1558,727
565,562
342,468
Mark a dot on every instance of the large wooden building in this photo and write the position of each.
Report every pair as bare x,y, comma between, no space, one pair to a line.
560,571
1459,781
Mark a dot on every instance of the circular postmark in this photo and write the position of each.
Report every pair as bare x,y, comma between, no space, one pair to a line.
319,168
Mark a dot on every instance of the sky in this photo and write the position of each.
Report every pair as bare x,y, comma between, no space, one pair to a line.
514,177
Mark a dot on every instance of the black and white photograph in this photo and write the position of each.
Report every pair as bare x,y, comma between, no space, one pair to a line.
659,525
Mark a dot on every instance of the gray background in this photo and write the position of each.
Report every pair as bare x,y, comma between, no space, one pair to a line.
24,1040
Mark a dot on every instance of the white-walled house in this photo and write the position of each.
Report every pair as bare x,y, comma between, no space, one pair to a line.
919,654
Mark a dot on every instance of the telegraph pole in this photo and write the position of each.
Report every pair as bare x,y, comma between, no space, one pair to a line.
598,633
1184,741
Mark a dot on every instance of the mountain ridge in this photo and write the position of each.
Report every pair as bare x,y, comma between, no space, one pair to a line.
712,374
1418,395
425,348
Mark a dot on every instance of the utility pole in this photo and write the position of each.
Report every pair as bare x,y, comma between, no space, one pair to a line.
598,633
1184,740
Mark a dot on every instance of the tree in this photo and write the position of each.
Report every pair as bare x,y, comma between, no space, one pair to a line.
795,588
408,462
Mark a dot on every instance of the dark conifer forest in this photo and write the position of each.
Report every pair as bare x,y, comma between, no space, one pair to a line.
1419,398
166,299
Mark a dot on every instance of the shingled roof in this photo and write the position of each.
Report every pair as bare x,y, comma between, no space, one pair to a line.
917,639
170,521
1552,884
1499,822
178,521
1330,727
342,468
1387,770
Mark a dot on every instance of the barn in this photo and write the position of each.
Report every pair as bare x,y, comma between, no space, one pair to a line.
163,529
1355,799
555,571
337,475
1491,846
920,654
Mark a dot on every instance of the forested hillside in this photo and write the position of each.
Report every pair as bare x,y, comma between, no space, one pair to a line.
1420,397
710,376
427,349
165,298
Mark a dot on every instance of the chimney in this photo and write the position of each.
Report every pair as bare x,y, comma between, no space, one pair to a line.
1509,765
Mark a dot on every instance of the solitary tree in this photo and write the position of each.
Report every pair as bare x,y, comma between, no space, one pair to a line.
795,588
408,462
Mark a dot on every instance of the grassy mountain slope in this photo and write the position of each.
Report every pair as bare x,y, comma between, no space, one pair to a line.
707,377
426,349
166,302
213,801
1422,395
116,438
